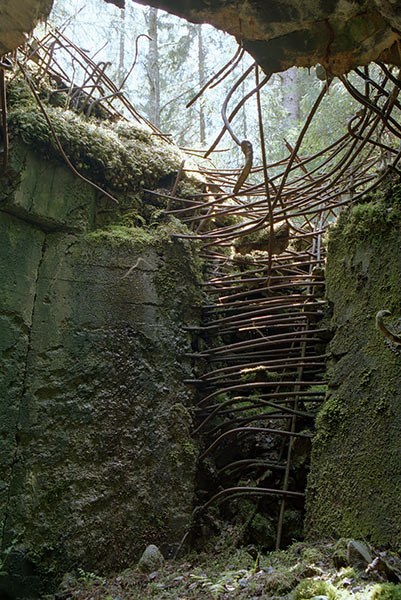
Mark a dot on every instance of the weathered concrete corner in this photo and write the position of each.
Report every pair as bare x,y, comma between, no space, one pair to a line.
18,18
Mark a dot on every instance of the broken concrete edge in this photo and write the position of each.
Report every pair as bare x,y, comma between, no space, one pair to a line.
18,19
280,35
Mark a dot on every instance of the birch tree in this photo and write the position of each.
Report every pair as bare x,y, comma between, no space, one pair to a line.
153,67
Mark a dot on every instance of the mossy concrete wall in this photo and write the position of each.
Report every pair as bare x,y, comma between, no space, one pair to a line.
354,487
96,458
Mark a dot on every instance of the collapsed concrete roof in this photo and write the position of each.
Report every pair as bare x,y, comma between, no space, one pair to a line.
339,34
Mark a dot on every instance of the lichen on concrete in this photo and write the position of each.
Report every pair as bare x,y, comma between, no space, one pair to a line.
354,486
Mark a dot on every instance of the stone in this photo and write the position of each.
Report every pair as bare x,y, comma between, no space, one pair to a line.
358,555
18,18
151,560
386,567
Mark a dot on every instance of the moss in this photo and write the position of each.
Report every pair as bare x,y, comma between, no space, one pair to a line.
104,348
368,220
280,582
312,554
120,156
386,591
187,189
144,236
365,377
132,218
310,588
183,449
228,572
340,552
117,235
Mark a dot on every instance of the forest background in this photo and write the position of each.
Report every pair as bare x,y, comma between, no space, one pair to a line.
174,59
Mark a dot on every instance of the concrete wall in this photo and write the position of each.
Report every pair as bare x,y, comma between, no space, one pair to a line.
96,459
355,483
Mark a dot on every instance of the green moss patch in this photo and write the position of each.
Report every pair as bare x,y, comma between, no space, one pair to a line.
118,155
118,235
370,219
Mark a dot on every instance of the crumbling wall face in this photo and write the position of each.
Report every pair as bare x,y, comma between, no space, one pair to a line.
355,482
96,456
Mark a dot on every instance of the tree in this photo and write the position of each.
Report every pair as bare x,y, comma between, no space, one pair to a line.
121,54
290,93
152,67
201,81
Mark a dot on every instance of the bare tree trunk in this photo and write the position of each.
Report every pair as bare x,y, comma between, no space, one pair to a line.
244,121
121,53
152,68
201,80
291,93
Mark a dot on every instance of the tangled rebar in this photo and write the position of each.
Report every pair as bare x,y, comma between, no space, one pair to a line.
265,355
260,354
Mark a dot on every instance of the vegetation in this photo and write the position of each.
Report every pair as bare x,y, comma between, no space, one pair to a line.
126,158
118,155
302,572
362,278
